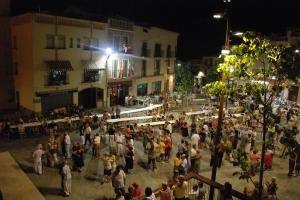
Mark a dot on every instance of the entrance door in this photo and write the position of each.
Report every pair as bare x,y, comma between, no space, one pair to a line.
118,95
88,98
56,100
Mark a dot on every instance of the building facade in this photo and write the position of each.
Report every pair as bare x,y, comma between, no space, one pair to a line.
60,61
7,100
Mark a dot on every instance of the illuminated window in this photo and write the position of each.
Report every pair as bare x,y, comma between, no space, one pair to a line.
142,89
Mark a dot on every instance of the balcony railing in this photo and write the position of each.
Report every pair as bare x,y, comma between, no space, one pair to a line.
58,81
193,179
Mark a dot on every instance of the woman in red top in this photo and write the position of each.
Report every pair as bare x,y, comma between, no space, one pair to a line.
168,143
137,191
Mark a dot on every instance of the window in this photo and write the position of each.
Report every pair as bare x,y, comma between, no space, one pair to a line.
142,89
157,67
144,67
124,68
14,42
115,67
71,43
60,42
91,76
86,43
50,41
144,49
157,50
156,87
124,44
120,43
16,68
78,45
94,44
169,51
57,77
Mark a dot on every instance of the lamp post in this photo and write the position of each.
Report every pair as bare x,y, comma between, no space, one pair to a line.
108,53
220,114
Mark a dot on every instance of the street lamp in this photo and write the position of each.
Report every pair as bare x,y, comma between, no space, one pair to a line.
109,52
222,99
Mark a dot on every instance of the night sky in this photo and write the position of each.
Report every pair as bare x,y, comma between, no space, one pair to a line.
200,34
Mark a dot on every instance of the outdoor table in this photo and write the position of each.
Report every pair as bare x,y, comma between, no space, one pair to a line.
129,119
155,123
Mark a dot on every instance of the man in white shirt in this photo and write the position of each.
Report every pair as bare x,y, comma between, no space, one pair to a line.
119,143
67,178
195,139
169,127
67,145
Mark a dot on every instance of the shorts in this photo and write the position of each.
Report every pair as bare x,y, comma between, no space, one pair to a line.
107,172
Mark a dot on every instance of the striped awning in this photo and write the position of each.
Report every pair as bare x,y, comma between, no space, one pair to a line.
90,65
58,65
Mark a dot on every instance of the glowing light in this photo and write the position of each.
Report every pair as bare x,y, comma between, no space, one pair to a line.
109,51
225,52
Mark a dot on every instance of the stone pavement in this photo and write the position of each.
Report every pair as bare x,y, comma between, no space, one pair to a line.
87,184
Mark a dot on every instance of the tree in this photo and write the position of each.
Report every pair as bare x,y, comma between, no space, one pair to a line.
185,75
253,64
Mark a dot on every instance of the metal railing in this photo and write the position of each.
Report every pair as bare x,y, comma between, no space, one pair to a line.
194,179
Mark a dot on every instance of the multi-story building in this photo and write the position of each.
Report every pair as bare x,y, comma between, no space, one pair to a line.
59,61
6,72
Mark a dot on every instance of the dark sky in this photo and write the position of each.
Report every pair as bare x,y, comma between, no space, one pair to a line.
200,35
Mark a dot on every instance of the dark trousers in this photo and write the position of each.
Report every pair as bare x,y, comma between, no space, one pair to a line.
151,160
220,158
291,167
193,164
87,138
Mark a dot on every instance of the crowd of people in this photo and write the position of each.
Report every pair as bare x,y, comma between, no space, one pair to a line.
238,144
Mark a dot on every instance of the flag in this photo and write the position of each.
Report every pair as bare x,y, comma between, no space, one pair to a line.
132,69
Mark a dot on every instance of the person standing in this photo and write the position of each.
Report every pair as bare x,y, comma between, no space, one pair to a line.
77,156
67,145
129,159
97,141
137,191
37,159
150,148
119,144
165,193
119,180
180,188
87,134
118,112
195,140
67,178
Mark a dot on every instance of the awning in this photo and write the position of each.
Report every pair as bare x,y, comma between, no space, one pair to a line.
90,65
57,65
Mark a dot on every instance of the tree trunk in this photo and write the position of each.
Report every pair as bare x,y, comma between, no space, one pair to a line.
216,142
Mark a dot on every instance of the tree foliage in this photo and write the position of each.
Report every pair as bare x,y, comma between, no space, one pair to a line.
259,69
185,74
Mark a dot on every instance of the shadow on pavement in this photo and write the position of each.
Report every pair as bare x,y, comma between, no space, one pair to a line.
50,190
